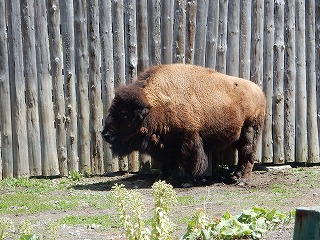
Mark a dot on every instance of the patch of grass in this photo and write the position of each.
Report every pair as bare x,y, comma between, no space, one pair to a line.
187,200
103,221
280,189
15,203
35,195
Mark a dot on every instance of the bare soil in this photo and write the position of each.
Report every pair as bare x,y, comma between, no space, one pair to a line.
282,188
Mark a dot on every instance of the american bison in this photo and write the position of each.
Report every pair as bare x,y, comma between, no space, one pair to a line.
176,112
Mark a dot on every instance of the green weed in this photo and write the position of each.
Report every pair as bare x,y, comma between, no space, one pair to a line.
75,175
103,221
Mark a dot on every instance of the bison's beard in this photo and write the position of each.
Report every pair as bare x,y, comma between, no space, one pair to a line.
123,147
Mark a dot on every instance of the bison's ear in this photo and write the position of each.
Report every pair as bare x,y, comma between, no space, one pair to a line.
142,112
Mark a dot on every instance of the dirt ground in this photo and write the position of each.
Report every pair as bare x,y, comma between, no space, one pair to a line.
282,188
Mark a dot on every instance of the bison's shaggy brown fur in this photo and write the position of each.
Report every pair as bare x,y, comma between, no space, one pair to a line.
176,112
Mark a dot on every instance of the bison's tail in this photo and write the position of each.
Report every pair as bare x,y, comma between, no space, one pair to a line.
196,161
200,159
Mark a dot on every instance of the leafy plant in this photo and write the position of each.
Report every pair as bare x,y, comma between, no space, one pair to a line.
130,205
251,223
75,175
6,227
164,198
26,231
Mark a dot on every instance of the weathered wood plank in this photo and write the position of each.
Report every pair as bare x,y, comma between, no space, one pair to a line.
96,108
222,33
111,164
67,28
278,104
131,40
317,60
267,146
6,162
82,60
132,62
307,223
142,22
119,56
179,31
200,38
154,6
245,39
312,124
301,89
212,33
229,157
190,30
118,42
49,155
143,59
256,71
30,75
167,30
58,83
289,82
233,38
17,87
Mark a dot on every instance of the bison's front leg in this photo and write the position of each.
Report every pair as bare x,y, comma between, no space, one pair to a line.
194,159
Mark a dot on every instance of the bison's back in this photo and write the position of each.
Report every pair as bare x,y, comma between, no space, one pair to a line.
197,98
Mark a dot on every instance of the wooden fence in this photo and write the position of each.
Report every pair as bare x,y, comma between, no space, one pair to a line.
61,60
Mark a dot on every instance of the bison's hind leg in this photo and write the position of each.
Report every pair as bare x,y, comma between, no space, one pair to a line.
247,146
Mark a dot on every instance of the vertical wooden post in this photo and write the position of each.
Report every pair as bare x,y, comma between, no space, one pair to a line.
267,147
233,39
142,22
229,156
131,40
30,73
317,60
301,90
307,223
132,62
96,109
82,60
245,39
48,136
212,33
167,16
17,85
58,83
143,60
222,40
221,65
278,103
154,6
257,52
201,29
118,42
289,82
190,30
6,163
179,31
111,164
67,28
312,124
119,56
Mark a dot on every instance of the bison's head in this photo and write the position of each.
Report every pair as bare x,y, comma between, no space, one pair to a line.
124,122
